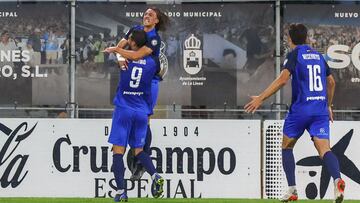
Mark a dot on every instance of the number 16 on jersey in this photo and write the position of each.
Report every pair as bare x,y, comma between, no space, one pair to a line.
315,83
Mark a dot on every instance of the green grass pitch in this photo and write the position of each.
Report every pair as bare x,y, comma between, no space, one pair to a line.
150,200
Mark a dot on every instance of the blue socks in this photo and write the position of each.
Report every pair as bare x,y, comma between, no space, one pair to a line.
147,147
119,169
288,162
145,160
330,161
332,164
148,141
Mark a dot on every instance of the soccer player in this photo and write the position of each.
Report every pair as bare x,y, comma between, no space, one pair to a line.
313,89
154,20
133,103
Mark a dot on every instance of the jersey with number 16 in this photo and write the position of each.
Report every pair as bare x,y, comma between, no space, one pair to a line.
309,71
134,88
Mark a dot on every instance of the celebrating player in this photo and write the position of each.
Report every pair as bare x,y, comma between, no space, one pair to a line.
154,20
313,89
133,104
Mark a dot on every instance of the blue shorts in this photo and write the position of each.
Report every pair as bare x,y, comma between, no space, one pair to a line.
317,126
154,94
128,127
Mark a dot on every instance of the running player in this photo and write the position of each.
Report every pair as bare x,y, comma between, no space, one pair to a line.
313,89
133,104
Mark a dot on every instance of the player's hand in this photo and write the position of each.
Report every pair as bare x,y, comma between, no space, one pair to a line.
122,65
109,50
126,63
254,104
331,114
122,62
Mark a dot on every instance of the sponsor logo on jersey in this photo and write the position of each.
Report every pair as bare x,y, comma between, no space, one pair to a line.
154,42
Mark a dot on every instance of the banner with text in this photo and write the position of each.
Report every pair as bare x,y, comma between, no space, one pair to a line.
71,158
312,179
34,53
206,44
334,30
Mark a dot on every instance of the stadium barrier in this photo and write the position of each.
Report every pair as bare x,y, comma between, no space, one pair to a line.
198,158
312,179
71,158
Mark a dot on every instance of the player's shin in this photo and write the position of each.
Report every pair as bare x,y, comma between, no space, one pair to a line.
158,181
288,162
119,169
148,140
332,164
145,160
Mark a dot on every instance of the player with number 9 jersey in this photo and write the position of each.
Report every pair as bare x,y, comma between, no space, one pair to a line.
134,89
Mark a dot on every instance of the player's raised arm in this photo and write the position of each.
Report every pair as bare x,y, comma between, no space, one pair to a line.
134,55
123,42
256,101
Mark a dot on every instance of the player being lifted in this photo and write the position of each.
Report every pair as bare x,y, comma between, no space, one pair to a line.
154,20
313,89
133,104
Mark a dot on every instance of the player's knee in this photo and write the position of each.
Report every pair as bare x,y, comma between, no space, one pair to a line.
118,149
322,146
138,151
288,143
287,146
323,151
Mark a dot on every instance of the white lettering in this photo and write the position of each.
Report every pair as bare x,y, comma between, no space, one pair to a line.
14,56
173,14
357,80
5,55
4,14
134,14
141,61
317,98
133,93
202,14
25,56
25,71
346,14
341,58
7,71
311,56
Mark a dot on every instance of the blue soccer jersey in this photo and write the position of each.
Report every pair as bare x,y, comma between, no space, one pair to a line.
153,40
134,89
309,71
133,103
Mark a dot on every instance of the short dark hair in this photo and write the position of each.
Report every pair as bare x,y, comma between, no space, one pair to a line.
229,51
139,37
162,17
298,33
5,32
